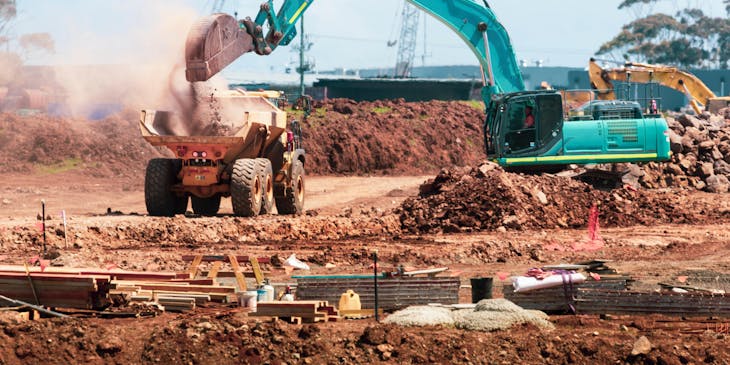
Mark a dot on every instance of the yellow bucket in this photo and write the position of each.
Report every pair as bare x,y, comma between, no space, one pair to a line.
349,301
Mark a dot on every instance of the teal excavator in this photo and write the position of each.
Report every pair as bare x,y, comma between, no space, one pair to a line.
523,129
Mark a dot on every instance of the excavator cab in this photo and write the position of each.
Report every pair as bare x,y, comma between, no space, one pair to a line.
510,132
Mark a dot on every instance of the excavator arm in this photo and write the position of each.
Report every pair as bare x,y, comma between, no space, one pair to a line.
697,92
218,40
477,26
215,41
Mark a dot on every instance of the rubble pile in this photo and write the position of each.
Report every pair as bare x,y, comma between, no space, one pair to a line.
701,155
488,198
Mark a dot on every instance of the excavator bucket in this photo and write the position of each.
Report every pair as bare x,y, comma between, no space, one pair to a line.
213,43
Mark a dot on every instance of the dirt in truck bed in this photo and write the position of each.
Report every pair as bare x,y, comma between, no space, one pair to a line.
429,205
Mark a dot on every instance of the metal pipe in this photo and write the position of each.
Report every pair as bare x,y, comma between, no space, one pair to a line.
375,278
35,307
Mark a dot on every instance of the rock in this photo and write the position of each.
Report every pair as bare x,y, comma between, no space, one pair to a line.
687,144
642,346
688,121
6,201
707,145
511,221
718,184
541,197
486,167
675,142
109,345
721,167
716,154
706,169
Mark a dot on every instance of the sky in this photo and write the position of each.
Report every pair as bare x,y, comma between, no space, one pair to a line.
345,33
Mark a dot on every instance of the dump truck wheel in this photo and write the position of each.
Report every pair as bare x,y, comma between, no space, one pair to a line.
160,176
290,200
267,185
246,191
206,206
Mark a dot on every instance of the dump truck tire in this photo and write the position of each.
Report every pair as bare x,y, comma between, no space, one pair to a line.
160,176
206,206
290,200
246,191
267,185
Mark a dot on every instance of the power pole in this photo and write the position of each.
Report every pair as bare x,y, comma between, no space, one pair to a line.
407,40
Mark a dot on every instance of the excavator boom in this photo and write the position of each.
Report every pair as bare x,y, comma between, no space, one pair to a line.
698,94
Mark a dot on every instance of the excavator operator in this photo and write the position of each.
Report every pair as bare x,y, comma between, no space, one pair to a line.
529,118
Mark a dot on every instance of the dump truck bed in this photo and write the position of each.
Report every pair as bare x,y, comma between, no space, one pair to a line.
243,124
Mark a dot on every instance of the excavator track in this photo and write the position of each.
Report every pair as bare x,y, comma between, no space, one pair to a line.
213,43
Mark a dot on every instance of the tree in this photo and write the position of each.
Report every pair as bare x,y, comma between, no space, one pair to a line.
688,39
16,49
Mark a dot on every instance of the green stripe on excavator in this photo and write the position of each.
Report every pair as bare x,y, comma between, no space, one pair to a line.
578,158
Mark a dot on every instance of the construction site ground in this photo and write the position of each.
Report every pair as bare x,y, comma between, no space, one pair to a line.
349,216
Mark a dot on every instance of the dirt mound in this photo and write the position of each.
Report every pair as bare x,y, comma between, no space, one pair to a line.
341,137
232,338
701,155
487,198
393,137
111,147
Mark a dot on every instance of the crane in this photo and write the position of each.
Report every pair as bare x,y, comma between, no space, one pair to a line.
608,131
407,40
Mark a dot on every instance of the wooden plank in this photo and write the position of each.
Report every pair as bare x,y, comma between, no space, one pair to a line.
237,269
213,273
257,271
193,271
426,271
189,288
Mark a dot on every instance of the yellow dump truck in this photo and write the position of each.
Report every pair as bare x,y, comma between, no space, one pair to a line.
243,147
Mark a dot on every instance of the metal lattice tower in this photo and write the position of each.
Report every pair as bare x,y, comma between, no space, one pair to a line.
407,40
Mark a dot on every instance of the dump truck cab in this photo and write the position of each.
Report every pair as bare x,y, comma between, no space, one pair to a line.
596,132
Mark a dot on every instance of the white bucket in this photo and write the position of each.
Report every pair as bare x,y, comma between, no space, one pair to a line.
247,299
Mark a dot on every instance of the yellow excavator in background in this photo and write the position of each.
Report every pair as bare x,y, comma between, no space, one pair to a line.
699,95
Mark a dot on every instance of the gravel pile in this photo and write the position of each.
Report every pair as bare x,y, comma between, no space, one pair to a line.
421,315
488,315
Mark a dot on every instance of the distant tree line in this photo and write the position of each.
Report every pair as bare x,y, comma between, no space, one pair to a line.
688,39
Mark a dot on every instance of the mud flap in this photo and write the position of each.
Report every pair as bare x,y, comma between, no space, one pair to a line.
213,43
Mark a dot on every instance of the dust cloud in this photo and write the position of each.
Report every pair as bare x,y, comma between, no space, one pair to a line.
150,76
